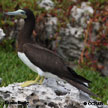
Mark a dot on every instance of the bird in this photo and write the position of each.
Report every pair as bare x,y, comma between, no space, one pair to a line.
42,60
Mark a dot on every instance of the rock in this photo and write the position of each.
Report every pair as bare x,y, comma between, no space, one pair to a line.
51,94
72,41
46,29
50,26
82,14
47,4
17,27
2,34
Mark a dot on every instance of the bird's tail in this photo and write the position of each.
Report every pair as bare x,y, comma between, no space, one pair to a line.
81,87
78,77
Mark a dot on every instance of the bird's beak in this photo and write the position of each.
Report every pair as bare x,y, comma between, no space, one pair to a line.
17,13
13,13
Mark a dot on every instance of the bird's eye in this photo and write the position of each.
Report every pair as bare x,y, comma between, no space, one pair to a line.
23,13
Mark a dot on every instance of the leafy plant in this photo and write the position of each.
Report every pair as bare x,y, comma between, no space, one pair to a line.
100,1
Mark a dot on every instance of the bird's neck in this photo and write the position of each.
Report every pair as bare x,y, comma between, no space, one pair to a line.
25,35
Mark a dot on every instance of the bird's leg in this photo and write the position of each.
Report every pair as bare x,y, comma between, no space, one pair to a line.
41,80
37,78
28,83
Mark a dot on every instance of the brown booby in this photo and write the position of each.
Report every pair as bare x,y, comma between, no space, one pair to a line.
41,60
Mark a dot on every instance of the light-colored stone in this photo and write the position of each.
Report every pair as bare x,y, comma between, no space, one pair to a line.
47,4
51,94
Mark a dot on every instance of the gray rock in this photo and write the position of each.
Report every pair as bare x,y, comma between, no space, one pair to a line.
72,41
47,4
46,95
17,27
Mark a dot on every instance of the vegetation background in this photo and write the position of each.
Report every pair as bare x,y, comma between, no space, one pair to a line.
13,70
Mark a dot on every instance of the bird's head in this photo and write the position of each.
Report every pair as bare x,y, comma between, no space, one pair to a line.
24,13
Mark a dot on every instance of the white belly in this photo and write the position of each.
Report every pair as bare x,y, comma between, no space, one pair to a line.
26,61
